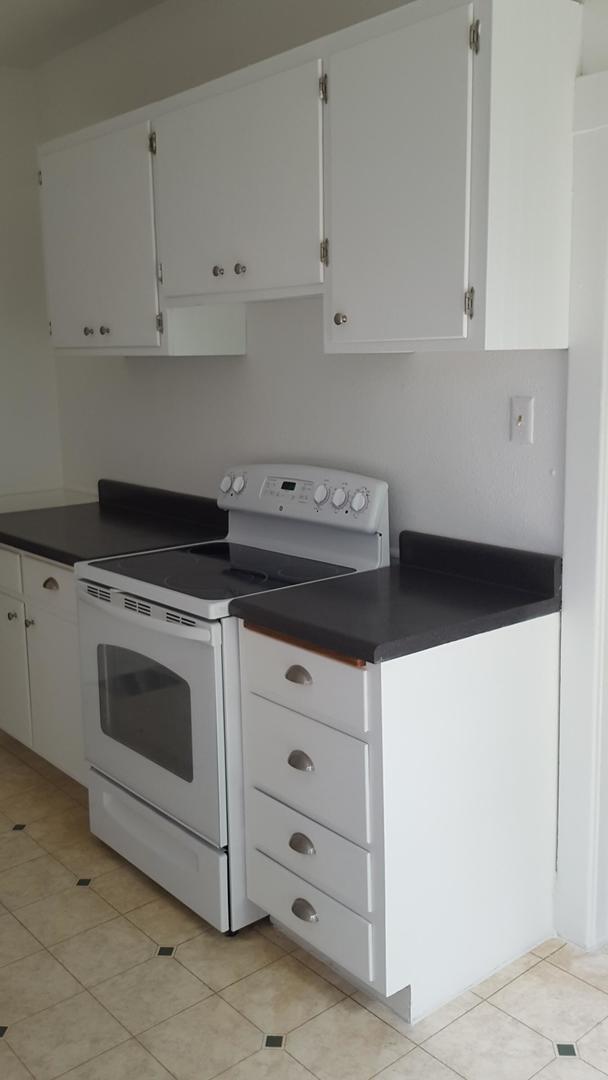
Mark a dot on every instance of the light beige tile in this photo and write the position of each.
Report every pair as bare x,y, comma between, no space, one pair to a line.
594,1047
10,1066
53,1041
346,1043
32,984
417,1033
553,1003
418,1066
166,921
590,966
75,790
129,1061
275,935
68,827
219,960
546,948
88,858
16,848
5,823
506,975
282,996
15,940
18,779
202,1041
568,1069
33,880
270,1064
324,970
103,951
41,765
150,993
485,1044
8,759
63,916
126,888
38,802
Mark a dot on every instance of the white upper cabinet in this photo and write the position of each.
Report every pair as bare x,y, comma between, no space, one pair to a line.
238,188
448,177
98,226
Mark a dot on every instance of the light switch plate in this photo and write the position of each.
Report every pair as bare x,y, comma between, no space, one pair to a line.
522,420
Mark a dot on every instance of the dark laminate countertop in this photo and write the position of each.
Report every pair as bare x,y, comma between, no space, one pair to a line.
127,518
441,590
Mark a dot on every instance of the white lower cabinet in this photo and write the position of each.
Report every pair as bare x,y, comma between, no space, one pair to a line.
14,690
52,648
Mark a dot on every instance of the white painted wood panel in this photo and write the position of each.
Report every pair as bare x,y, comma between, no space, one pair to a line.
14,682
10,570
57,735
49,585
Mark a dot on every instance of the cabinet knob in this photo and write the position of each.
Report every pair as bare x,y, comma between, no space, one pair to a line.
103,330
88,330
304,911
302,844
218,271
30,622
299,759
340,318
51,583
11,615
240,268
298,674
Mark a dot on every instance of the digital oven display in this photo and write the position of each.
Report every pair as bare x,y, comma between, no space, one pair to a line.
288,485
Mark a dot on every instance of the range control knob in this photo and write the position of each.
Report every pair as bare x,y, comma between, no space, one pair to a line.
226,484
321,494
358,502
238,484
338,498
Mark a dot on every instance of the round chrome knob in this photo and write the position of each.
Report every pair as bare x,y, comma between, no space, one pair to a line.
240,268
321,494
12,615
88,330
358,501
30,622
218,271
238,484
340,318
338,498
103,330
226,484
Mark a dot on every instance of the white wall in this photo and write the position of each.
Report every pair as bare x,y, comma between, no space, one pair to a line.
595,36
30,457
435,426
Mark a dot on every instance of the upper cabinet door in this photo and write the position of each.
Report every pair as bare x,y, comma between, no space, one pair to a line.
238,188
98,225
398,185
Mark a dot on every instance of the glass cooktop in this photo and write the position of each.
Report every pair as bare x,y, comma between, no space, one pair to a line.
221,571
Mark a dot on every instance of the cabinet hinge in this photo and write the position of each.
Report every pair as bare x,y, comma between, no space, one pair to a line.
323,91
40,177
474,36
324,252
160,323
152,142
469,302
159,272
50,328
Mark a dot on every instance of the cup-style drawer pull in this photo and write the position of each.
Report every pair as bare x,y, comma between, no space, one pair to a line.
51,583
304,911
299,759
298,674
302,844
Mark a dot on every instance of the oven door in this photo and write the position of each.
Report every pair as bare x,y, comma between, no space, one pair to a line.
153,704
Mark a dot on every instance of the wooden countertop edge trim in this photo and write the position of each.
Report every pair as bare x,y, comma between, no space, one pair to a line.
288,640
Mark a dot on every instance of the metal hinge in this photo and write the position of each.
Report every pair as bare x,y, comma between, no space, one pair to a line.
40,177
324,252
474,36
469,302
159,271
160,323
152,142
323,94
50,328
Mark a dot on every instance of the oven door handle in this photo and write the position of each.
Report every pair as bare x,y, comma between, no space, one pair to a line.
192,633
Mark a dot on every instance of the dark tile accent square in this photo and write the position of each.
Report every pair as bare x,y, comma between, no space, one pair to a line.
84,881
566,1049
3,1031
166,950
18,828
273,1040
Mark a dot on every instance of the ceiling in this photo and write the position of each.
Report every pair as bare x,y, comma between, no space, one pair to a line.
32,31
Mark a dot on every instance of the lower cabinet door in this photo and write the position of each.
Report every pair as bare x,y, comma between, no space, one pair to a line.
14,686
52,645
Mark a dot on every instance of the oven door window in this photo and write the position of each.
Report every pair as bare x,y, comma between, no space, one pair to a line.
146,707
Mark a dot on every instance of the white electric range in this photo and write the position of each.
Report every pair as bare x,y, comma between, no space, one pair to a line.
160,671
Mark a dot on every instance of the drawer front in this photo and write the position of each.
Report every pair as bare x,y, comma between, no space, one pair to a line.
334,790
10,571
337,932
329,690
49,585
316,854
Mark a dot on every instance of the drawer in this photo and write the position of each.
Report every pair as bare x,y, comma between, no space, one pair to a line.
10,571
316,854
330,690
337,932
49,585
333,790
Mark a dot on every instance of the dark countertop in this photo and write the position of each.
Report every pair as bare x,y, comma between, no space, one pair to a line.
127,518
441,590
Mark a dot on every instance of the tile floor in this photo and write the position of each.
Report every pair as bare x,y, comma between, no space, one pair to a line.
103,976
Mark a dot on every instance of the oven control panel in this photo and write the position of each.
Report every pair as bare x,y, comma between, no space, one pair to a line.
306,493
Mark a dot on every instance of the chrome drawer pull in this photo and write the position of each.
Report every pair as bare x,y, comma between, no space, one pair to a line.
298,674
304,911
299,759
302,844
51,583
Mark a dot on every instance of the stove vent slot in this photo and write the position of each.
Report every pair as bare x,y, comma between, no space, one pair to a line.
99,593
131,604
182,620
